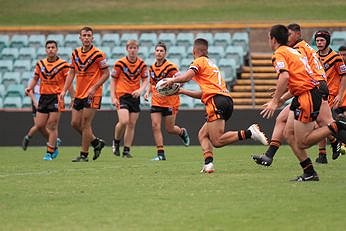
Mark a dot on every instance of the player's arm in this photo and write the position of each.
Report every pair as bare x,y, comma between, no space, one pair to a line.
68,82
281,88
104,76
148,91
342,88
193,94
31,85
183,78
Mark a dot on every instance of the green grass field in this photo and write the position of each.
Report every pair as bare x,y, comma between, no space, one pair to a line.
35,12
138,194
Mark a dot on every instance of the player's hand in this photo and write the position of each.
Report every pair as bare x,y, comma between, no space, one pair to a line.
27,91
336,102
62,95
91,92
269,109
168,83
146,96
115,102
136,93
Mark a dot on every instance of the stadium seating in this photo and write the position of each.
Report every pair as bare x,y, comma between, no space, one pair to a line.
25,77
19,40
177,52
206,35
184,39
41,53
22,65
12,102
4,41
10,78
36,40
27,53
149,61
1,103
222,39
15,90
241,39
97,39
236,53
6,65
197,104
26,102
228,66
110,39
185,64
107,51
106,103
143,52
168,38
2,90
71,41
215,52
127,36
186,102
9,53
59,38
338,38
145,104
65,53
118,52
148,39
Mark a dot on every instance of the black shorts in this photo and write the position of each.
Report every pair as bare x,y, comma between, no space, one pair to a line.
130,103
340,110
94,102
219,107
323,89
48,103
165,111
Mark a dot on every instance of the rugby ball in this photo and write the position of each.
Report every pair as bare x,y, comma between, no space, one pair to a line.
166,91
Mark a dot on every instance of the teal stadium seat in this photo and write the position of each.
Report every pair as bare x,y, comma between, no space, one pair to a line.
149,61
185,64
37,40
15,90
191,85
216,52
177,52
106,89
148,39
26,102
59,38
206,35
2,90
338,38
222,39
127,36
184,39
175,61
4,41
19,40
110,39
151,54
97,39
241,39
197,104
9,53
12,102
228,67
143,52
107,51
168,38
25,77
67,101
22,65
118,52
41,53
106,103
145,104
6,65
110,63
189,54
9,78
186,102
65,53
72,41
28,53
236,53
1,103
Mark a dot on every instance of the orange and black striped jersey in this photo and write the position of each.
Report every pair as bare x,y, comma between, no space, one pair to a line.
334,67
166,70
305,49
300,73
128,75
88,67
52,75
209,79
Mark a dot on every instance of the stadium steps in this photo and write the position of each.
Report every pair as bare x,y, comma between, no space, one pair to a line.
264,79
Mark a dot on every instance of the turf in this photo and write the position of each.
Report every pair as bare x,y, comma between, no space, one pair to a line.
36,12
113,193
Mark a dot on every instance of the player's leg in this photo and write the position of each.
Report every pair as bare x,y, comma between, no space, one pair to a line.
119,129
88,115
41,119
130,133
174,129
76,120
156,118
52,127
277,138
207,149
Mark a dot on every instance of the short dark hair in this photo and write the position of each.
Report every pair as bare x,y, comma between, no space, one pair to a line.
294,27
86,28
161,44
280,33
202,45
51,41
342,48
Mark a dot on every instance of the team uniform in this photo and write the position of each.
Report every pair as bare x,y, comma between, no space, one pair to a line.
88,66
215,95
52,76
128,76
167,105
334,67
301,83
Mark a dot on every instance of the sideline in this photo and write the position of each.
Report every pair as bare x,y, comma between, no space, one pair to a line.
150,27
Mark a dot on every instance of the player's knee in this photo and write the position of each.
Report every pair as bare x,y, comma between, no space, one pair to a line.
217,143
75,124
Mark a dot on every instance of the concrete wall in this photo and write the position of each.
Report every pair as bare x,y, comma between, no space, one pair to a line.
14,126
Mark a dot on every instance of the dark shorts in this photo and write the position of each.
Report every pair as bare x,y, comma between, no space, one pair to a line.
128,102
306,106
340,110
323,89
49,103
94,102
165,111
219,107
